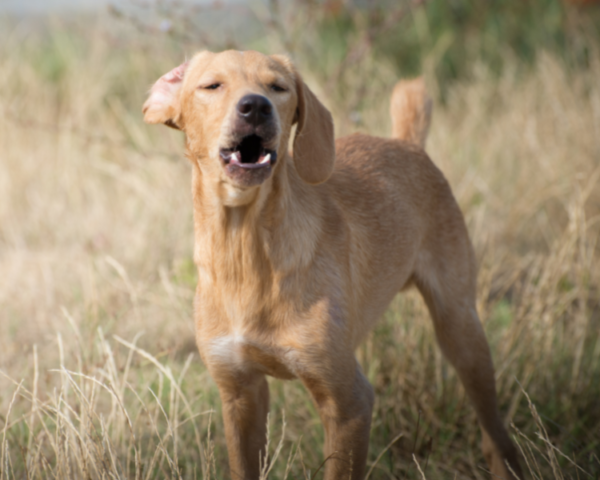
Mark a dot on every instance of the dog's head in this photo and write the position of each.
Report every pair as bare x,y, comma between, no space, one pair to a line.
237,110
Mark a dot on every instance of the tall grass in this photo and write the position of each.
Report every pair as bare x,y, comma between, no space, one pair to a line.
99,372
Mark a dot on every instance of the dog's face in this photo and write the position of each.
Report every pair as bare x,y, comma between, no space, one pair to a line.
237,110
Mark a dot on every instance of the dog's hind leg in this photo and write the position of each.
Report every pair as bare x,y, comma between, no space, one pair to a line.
447,283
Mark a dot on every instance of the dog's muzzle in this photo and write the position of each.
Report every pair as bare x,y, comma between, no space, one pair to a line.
250,160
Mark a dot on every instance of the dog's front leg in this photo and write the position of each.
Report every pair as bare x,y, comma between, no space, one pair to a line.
245,401
344,399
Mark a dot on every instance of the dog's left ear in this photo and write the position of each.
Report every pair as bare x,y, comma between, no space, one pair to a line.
163,104
314,145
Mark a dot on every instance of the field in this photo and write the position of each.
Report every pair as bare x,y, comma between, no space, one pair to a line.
99,374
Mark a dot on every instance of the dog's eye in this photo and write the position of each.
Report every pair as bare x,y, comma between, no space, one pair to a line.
277,88
214,86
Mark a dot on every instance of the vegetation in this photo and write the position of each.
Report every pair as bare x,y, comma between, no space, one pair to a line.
99,375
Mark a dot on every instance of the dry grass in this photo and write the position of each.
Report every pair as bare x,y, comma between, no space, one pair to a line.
100,378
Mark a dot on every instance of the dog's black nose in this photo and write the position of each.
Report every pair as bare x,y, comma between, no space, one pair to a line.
255,109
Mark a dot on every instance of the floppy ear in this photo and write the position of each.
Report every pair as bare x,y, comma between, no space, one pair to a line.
162,105
314,145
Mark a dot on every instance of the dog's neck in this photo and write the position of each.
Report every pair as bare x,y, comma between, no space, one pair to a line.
250,243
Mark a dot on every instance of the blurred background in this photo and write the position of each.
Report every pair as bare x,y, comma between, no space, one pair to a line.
99,375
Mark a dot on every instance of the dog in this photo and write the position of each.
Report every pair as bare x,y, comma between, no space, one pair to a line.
298,254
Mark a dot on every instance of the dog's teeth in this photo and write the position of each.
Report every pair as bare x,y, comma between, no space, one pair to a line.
266,159
235,157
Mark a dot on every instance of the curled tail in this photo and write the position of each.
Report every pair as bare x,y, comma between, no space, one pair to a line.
410,109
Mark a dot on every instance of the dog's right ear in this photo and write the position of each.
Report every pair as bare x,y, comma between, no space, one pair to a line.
163,104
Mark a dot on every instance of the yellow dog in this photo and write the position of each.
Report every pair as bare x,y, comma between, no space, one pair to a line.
299,254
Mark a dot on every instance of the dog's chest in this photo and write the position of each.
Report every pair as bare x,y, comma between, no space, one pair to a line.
242,354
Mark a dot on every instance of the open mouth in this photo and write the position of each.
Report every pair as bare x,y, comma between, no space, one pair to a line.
250,153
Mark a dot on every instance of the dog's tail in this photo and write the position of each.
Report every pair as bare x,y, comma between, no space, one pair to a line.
410,109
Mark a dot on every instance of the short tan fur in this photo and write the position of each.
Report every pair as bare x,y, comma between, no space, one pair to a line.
298,258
